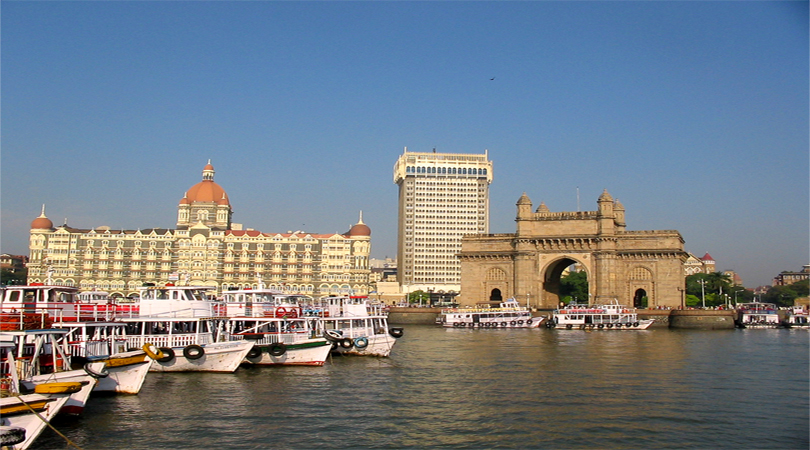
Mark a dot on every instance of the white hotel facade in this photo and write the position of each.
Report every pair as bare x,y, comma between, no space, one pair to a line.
442,197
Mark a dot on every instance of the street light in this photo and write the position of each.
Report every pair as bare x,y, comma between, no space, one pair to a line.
703,292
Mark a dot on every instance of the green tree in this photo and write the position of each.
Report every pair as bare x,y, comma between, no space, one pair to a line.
13,277
713,285
786,295
574,287
419,296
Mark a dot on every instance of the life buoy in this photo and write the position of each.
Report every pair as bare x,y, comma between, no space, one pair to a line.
503,324
618,325
346,343
361,342
292,312
93,370
332,335
513,323
610,325
277,349
193,352
396,332
254,352
520,322
635,324
601,325
529,321
281,312
152,351
168,354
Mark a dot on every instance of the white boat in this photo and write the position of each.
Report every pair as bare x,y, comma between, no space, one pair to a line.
107,342
353,325
798,317
34,357
508,314
23,417
757,315
178,328
276,326
37,306
607,316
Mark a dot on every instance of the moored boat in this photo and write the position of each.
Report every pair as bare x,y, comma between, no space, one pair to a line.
34,357
508,314
353,325
606,316
275,325
757,315
178,329
23,417
798,317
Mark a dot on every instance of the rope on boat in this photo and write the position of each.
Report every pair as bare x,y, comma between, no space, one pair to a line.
69,442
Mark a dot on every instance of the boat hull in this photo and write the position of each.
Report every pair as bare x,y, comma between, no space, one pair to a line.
77,400
222,357
641,324
311,352
488,324
14,416
378,345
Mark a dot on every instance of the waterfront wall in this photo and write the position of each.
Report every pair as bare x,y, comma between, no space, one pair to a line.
697,319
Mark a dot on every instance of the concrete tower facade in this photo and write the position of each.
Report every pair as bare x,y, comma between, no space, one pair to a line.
442,197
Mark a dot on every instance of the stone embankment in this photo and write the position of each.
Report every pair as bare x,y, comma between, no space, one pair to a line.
697,319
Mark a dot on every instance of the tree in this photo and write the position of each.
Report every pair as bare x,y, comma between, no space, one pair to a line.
786,295
419,296
10,277
574,286
713,285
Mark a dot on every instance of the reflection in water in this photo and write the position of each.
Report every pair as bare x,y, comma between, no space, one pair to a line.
484,388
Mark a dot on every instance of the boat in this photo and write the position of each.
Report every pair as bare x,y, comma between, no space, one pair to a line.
508,314
30,358
798,317
106,342
178,328
37,306
353,325
23,417
606,316
276,326
757,315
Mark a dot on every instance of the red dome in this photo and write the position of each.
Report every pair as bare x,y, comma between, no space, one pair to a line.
41,223
207,191
360,229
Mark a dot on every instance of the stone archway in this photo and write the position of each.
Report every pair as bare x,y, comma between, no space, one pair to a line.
640,298
551,279
495,295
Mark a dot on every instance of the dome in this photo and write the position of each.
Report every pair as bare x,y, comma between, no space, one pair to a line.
206,190
42,222
359,229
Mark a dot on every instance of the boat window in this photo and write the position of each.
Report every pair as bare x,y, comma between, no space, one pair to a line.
14,296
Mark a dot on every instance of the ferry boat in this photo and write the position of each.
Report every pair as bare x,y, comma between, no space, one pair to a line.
126,368
23,417
30,358
608,316
276,325
178,328
353,325
757,315
508,314
37,306
798,317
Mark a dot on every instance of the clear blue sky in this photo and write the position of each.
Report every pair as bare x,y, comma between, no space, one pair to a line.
693,114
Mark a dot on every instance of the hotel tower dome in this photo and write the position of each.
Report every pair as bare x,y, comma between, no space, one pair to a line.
206,202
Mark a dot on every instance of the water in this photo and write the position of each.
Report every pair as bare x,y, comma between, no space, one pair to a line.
451,388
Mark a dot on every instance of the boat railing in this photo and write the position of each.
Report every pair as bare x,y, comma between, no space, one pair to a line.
174,340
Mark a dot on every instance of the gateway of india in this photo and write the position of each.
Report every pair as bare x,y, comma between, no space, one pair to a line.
627,266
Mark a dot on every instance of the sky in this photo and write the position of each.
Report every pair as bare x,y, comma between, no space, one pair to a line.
693,114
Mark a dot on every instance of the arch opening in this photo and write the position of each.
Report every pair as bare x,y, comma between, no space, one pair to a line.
640,298
565,281
495,295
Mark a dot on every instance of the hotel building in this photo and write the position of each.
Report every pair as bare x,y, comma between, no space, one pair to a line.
442,197
206,249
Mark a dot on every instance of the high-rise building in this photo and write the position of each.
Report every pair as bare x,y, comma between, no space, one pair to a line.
442,197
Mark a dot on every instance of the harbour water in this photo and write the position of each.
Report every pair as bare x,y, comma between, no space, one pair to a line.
459,388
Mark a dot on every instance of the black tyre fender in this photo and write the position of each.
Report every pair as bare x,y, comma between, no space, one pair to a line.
346,343
95,373
193,352
254,352
168,354
277,349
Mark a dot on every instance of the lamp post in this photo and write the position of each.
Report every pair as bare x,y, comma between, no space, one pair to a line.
703,292
735,296
683,299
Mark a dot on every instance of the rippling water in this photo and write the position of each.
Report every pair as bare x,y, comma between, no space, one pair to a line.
454,388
